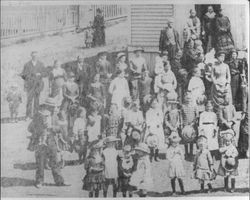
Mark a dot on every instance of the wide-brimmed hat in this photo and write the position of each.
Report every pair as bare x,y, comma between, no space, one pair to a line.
121,54
227,134
202,138
111,139
234,51
218,53
50,102
178,54
164,53
139,49
230,164
96,144
142,147
44,112
102,53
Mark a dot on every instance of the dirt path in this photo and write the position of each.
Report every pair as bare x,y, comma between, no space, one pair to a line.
18,172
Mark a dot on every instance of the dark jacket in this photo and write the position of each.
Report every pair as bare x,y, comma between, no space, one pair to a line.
164,40
31,80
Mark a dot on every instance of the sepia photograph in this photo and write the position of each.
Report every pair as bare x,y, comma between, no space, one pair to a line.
118,99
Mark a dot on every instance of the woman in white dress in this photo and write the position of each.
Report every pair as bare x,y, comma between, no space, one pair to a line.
119,89
154,121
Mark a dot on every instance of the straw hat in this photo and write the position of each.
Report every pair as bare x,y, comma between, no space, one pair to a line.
44,112
50,102
102,53
142,147
97,144
139,49
164,53
119,55
227,134
111,139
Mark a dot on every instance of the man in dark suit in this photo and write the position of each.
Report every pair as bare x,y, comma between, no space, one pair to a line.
82,74
169,40
32,74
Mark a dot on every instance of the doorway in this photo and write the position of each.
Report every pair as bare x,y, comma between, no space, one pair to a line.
202,9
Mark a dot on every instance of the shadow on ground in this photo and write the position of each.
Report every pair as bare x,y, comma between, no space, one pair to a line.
25,166
14,182
165,194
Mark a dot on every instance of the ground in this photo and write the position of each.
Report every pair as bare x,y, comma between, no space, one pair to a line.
18,172
17,163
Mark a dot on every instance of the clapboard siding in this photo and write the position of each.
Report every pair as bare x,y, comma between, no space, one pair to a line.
147,21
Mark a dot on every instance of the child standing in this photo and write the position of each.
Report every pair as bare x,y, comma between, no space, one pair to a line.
189,115
14,99
94,179
197,90
125,169
94,125
141,178
175,157
97,93
80,138
203,164
110,155
229,160
89,35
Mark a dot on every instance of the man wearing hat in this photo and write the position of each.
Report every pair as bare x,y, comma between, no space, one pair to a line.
82,74
137,66
32,74
193,25
44,143
99,29
104,68
70,92
169,40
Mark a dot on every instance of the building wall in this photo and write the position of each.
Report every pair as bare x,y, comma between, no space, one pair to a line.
148,20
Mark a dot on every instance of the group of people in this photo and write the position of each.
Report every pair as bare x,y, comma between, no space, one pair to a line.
120,118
